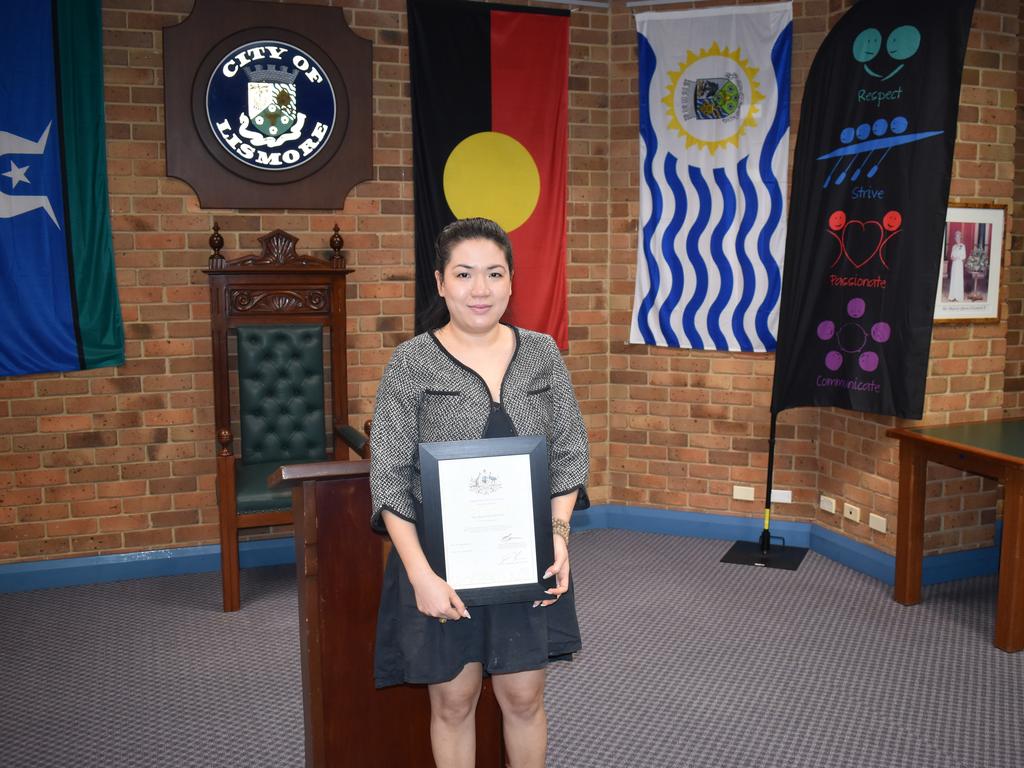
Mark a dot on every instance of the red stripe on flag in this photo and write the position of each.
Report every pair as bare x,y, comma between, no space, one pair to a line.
529,94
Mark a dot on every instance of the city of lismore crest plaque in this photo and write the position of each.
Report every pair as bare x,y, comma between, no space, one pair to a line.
268,105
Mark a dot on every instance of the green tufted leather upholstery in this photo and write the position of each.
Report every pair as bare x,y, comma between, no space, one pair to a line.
281,408
252,494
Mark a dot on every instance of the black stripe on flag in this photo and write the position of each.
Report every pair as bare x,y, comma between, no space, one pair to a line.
450,69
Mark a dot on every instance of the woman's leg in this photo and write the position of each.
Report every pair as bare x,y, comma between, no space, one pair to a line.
452,721
521,698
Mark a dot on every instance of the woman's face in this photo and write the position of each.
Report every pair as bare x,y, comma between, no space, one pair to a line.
476,285
958,236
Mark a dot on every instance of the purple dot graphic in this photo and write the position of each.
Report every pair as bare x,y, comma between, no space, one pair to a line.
833,360
826,330
863,131
868,361
856,308
881,332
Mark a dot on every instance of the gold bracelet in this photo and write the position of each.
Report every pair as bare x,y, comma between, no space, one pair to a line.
561,528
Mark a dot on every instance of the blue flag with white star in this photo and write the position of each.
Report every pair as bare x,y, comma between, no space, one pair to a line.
59,309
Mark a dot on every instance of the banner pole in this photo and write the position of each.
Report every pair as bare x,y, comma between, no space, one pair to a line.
766,537
761,552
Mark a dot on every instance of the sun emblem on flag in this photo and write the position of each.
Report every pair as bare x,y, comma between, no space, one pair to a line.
713,98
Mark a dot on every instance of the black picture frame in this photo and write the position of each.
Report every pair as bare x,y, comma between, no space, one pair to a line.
430,523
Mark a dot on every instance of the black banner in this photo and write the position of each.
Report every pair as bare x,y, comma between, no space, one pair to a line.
870,186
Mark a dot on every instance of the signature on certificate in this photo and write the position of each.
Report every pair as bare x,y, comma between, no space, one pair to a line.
513,558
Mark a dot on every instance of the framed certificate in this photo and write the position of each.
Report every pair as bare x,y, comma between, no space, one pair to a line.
486,521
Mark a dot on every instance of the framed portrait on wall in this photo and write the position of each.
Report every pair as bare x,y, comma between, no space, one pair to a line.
971,262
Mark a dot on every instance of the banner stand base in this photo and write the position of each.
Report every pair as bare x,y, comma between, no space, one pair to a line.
749,553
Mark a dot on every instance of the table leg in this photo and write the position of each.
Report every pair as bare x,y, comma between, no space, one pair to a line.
910,524
1010,602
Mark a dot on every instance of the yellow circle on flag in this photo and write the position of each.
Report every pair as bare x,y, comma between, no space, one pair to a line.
492,175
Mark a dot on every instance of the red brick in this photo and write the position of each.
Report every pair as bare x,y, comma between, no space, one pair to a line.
98,508
43,547
105,541
74,527
41,477
64,423
148,538
22,531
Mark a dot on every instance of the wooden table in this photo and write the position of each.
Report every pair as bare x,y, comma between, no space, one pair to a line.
993,449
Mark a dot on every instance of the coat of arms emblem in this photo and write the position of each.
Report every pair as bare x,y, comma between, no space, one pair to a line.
273,109
712,98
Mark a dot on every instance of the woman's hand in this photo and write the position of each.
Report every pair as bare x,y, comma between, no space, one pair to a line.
435,598
559,569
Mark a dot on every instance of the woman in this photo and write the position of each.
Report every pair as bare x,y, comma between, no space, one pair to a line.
471,377
957,257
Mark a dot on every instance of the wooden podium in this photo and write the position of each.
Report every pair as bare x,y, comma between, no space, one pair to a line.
340,566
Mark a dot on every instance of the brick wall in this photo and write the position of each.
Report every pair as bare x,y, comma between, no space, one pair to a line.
1014,392
115,460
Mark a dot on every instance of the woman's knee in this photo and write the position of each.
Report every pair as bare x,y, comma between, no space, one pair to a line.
453,709
520,695
454,701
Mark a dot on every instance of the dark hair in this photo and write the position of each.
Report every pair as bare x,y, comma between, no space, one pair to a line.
448,238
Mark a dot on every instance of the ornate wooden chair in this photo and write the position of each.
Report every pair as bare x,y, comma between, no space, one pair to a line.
277,305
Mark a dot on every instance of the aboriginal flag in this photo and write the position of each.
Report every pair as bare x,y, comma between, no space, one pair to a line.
489,105
871,181
58,297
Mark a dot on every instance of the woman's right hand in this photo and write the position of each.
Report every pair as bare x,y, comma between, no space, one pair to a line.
435,598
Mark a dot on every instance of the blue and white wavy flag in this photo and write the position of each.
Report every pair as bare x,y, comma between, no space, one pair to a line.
714,147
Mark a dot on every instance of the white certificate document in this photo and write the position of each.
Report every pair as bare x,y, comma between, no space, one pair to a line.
487,520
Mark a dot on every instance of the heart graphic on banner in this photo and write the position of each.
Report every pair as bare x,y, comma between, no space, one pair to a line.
860,238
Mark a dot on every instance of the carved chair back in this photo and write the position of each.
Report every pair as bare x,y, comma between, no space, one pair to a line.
280,306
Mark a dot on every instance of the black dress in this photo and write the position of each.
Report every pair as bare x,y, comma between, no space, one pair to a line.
414,648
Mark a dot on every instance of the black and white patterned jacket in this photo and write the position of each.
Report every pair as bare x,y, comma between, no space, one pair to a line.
426,395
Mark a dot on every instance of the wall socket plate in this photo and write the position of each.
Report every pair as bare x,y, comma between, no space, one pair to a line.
746,493
876,522
851,512
827,503
743,492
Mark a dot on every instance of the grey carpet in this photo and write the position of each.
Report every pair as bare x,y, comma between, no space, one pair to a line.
138,674
686,662
691,663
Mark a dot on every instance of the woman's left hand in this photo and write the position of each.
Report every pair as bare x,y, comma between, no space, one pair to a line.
559,569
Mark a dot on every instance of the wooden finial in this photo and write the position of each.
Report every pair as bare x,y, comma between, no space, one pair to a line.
216,243
336,244
226,440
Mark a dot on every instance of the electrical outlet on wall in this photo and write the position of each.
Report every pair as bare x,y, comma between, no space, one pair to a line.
851,512
876,522
743,492
827,503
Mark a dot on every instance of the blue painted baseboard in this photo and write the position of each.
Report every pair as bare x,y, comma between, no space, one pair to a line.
71,571
42,574
825,541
